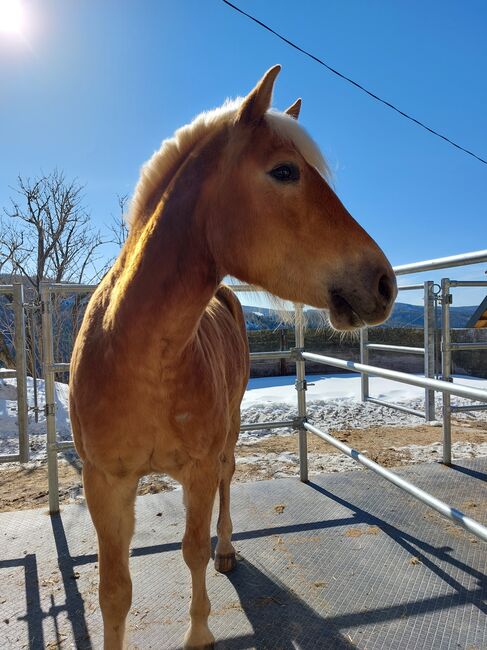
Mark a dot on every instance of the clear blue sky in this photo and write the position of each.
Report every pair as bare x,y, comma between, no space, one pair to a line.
93,87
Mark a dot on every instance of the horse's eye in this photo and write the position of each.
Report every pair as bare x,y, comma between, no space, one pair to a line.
285,173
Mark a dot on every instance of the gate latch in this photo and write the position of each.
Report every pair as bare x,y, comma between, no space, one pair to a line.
49,409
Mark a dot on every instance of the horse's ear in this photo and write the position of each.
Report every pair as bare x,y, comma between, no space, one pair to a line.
294,109
259,99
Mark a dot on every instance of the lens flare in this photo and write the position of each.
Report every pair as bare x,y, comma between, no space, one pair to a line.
11,17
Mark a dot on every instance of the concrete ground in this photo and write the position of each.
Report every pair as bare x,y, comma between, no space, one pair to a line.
346,561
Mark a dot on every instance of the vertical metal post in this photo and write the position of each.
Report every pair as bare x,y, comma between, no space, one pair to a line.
429,348
301,392
364,358
47,361
21,369
446,366
33,344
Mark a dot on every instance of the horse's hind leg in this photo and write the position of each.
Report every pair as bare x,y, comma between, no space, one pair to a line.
225,559
200,485
111,504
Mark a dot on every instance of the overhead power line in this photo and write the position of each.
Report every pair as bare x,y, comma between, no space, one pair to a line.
354,83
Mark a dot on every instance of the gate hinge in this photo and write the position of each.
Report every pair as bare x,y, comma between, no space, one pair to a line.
49,409
301,384
448,299
299,421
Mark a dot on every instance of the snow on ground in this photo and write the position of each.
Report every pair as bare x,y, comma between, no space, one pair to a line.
333,403
37,430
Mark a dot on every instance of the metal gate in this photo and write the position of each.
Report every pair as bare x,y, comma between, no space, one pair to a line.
20,372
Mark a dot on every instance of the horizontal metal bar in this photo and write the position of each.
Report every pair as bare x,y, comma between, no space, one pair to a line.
442,263
468,283
410,287
395,348
64,444
59,288
244,288
6,288
444,509
468,346
471,407
278,354
396,407
402,377
59,367
283,424
7,373
10,458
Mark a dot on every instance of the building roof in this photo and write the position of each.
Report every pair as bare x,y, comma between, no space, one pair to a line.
479,317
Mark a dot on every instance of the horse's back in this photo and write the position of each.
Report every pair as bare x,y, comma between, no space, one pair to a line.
223,328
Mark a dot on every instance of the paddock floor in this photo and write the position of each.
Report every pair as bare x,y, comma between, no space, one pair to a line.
346,561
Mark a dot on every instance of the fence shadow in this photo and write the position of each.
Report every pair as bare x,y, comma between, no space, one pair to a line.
423,551
474,473
278,616
74,605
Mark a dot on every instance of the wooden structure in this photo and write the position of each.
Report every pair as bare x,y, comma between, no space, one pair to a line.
479,317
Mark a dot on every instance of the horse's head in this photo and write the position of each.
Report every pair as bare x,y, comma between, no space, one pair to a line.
279,225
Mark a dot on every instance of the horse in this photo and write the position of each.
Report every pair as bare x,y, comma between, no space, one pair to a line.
161,361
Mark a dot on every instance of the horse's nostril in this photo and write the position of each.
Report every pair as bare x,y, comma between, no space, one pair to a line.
385,287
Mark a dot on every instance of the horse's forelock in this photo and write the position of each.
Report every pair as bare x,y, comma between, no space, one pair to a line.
289,129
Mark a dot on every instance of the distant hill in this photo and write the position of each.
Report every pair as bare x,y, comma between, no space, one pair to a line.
403,315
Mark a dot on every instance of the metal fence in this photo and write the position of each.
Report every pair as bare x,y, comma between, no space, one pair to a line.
20,372
299,356
447,347
51,368
428,351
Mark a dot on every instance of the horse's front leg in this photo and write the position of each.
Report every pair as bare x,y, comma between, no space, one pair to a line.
200,487
111,504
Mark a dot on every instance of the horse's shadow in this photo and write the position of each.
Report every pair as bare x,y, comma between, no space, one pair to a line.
280,619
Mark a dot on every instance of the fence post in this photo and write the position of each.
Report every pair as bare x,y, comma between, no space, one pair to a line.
364,358
446,366
50,388
21,369
283,346
301,391
429,348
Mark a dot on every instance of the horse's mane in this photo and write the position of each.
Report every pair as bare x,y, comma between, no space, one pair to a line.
158,171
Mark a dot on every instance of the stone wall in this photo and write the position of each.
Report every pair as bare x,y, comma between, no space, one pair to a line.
347,347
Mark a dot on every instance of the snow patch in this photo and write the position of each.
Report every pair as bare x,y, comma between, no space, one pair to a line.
333,403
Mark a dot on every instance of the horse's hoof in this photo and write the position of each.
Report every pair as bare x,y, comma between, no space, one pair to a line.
225,563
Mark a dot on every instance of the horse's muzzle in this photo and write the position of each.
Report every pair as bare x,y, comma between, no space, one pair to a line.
364,298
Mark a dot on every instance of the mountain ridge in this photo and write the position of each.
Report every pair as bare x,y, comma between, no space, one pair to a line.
403,315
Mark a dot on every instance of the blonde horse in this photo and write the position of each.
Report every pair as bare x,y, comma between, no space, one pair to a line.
161,362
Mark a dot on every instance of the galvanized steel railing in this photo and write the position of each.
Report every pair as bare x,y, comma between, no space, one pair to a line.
50,369
446,388
428,351
447,347
20,373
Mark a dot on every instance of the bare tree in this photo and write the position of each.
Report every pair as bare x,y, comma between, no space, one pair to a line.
119,226
49,233
46,234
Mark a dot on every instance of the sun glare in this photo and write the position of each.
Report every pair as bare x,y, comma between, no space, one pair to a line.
11,16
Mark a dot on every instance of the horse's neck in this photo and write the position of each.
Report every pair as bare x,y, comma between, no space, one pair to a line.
166,277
